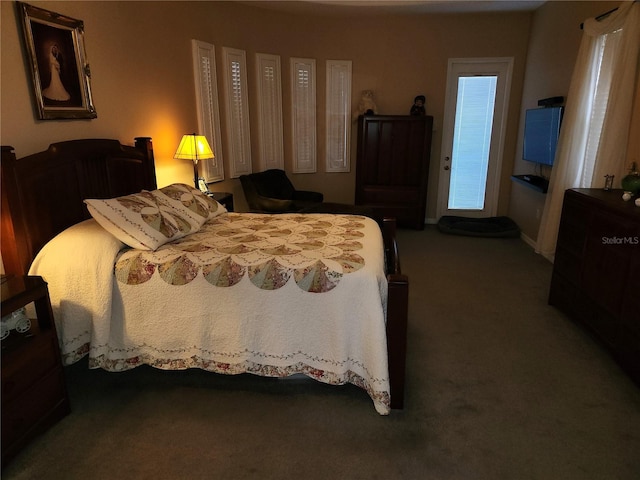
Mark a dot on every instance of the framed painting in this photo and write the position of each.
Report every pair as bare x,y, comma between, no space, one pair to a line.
59,68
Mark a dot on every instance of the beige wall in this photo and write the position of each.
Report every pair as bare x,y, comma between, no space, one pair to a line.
142,77
553,48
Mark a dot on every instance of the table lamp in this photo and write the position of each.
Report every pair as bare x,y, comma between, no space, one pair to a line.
194,147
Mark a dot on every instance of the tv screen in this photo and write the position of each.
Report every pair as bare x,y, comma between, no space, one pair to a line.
541,130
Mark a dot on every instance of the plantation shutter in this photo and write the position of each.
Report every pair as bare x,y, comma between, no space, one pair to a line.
270,111
238,134
338,125
204,73
303,98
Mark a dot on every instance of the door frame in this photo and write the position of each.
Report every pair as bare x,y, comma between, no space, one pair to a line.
476,66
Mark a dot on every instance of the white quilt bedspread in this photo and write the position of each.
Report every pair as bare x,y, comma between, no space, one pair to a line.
273,295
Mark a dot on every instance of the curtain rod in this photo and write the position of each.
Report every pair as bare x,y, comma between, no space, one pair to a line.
601,16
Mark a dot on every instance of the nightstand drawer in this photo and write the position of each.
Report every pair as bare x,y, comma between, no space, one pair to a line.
35,409
20,371
34,393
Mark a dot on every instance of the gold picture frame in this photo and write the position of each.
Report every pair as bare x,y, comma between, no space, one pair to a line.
60,72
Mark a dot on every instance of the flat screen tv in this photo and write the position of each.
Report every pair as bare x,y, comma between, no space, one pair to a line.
541,131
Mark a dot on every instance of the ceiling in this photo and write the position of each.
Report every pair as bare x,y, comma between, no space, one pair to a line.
355,7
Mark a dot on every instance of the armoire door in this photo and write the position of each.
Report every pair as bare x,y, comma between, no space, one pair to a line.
392,167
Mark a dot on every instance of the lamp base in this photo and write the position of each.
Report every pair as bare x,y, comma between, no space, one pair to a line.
195,174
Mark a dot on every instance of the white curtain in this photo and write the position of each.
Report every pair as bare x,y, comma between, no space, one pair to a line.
595,131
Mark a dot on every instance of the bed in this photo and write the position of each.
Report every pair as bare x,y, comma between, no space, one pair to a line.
317,294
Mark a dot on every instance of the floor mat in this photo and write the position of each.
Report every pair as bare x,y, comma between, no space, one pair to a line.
502,227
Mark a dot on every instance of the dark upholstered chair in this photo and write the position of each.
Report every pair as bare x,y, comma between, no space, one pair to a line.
271,191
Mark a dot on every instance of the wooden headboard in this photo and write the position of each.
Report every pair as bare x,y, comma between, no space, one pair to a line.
44,193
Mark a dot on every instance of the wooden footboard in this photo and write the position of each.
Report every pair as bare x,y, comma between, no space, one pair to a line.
397,312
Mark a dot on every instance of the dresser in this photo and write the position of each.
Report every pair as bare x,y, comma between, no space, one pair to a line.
34,394
596,272
392,166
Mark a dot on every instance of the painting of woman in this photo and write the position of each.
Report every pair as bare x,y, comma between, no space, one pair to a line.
56,90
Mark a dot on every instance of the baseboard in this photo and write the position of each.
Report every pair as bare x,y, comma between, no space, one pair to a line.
533,244
526,239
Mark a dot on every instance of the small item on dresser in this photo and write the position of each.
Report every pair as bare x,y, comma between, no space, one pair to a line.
608,182
17,321
418,107
626,196
631,183
637,202
367,105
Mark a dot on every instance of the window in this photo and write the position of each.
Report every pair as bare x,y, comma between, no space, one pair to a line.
303,99
238,135
338,115
270,111
595,131
471,141
204,73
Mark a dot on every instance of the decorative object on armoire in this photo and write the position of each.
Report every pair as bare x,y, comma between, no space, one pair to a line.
392,169
631,183
418,107
194,147
367,105
59,69
626,196
608,182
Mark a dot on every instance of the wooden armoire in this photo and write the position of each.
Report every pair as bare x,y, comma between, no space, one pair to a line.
392,168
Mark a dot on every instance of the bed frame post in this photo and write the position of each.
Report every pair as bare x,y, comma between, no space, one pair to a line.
397,315
14,254
145,145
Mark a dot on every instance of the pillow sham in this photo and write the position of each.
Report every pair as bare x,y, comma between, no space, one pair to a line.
189,202
140,220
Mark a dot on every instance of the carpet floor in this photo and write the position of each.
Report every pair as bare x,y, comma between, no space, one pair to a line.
499,386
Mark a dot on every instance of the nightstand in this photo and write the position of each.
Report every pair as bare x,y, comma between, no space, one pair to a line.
224,198
34,393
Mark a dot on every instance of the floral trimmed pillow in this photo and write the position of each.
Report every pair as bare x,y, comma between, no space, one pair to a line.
189,202
140,220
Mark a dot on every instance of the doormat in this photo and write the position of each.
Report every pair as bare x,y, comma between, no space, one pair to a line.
502,227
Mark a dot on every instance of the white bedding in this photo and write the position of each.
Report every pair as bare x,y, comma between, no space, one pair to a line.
273,295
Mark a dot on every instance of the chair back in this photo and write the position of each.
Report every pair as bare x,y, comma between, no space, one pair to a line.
273,183
261,186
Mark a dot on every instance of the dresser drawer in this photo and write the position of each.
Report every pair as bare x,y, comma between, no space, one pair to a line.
24,366
595,274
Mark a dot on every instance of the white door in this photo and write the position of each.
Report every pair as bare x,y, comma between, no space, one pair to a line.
473,136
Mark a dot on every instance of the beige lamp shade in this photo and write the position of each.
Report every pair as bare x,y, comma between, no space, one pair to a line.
194,147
